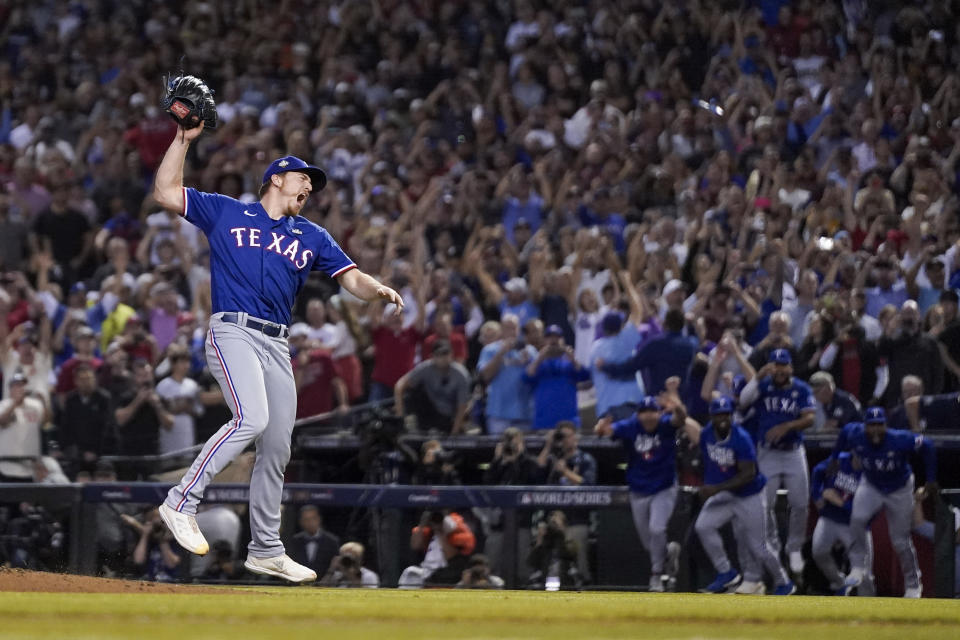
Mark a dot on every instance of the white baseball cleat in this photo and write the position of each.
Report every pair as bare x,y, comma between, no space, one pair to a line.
913,592
656,583
280,567
796,562
185,530
750,588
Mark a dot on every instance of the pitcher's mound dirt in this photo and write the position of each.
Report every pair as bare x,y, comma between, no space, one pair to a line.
20,580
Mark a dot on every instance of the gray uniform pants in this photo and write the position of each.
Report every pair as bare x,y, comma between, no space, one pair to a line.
750,521
256,378
650,516
867,501
786,469
827,534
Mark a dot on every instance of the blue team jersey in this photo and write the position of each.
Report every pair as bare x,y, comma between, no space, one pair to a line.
651,457
844,482
887,466
257,264
720,458
776,405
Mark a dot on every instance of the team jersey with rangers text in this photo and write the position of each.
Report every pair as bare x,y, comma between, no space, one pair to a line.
844,481
776,405
887,465
651,457
721,458
257,264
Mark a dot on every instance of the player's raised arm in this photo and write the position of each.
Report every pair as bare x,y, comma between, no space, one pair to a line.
168,185
367,287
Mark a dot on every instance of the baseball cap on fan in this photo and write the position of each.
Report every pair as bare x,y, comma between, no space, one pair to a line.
292,163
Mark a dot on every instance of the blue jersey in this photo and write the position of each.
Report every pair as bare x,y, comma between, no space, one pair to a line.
844,482
721,457
776,405
651,457
257,264
886,466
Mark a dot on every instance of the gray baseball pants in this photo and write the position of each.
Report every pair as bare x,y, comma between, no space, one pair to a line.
750,521
650,516
867,501
256,377
825,535
787,469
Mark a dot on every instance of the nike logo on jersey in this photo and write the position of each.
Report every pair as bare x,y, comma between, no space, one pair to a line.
296,231
247,213
250,238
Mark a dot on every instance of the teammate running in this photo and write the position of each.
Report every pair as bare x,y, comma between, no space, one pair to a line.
832,487
260,257
733,489
887,483
650,440
785,407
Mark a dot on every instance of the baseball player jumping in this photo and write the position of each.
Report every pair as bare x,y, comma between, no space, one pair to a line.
832,487
785,407
733,489
260,257
887,483
650,440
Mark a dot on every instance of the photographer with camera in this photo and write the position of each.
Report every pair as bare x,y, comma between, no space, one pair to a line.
553,559
564,463
156,555
222,565
511,465
437,466
347,570
477,575
446,543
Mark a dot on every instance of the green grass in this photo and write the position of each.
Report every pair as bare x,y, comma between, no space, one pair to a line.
265,614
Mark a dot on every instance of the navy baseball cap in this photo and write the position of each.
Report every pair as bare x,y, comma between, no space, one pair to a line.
875,415
292,163
723,404
612,323
780,356
649,403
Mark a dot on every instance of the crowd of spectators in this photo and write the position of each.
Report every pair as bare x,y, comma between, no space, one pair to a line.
578,200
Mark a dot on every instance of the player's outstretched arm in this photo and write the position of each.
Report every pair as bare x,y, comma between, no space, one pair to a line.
168,185
368,288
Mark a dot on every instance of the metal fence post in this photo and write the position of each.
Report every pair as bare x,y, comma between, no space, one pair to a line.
944,547
509,550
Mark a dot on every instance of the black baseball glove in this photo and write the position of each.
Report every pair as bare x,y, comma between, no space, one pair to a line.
189,101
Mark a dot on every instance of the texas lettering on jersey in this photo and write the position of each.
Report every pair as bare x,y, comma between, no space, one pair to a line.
250,238
781,404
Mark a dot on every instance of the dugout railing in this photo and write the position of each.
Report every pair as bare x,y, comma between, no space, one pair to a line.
78,502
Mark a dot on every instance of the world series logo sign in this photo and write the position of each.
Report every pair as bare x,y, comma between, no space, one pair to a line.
565,498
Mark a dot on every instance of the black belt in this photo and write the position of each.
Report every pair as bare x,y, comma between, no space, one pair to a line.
266,328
